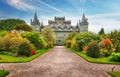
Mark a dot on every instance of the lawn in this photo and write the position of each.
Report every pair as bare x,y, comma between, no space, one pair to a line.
3,73
114,74
12,59
103,60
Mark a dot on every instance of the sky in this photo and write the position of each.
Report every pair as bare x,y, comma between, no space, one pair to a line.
100,13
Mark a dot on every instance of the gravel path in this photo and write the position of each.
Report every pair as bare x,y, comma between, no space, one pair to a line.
58,62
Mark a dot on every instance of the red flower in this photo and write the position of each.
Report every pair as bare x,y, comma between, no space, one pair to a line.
33,52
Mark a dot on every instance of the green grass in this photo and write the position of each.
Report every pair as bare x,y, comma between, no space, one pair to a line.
103,60
3,73
114,74
12,59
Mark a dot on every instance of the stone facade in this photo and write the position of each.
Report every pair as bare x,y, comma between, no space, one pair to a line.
61,27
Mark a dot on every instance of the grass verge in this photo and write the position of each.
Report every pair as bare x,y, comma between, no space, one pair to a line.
103,60
114,74
3,73
12,59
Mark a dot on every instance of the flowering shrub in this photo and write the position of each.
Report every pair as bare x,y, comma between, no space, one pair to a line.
107,47
106,42
33,52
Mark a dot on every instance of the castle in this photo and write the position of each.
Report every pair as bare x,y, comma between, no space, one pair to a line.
61,27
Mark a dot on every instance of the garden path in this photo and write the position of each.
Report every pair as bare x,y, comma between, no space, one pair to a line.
58,62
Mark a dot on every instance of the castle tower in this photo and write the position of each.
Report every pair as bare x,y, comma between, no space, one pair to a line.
83,24
35,24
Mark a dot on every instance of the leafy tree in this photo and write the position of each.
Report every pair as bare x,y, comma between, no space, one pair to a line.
11,41
9,24
35,38
23,27
49,35
70,40
101,31
71,35
115,37
83,39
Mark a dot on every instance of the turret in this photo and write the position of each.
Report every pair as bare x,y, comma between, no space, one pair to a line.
35,24
83,18
83,24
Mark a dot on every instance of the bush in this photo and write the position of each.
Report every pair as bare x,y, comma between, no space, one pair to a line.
115,38
35,38
93,50
73,43
3,73
81,44
68,43
6,42
84,38
107,47
115,57
3,33
24,49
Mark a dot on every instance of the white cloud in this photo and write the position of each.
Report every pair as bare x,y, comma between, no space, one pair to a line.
52,7
21,5
78,5
105,15
107,21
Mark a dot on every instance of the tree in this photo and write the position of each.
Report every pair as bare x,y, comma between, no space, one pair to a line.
23,27
70,40
35,38
83,39
9,24
115,38
49,35
101,31
71,35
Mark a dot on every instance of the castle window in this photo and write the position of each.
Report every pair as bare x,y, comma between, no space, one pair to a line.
59,40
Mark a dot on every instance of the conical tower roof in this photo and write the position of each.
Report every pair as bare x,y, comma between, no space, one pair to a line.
35,17
83,18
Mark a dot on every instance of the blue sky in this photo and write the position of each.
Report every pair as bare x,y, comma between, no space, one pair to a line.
100,13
